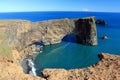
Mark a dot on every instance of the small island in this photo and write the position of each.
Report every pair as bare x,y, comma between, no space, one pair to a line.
100,22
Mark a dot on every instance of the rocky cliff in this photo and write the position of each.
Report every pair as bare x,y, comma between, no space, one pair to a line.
85,30
107,69
10,70
21,34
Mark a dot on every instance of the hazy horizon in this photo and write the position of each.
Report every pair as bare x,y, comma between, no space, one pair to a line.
58,11
59,5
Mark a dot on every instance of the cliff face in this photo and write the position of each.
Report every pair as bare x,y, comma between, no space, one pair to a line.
21,34
10,70
107,69
85,30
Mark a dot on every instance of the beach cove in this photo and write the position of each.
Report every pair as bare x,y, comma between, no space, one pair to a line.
48,51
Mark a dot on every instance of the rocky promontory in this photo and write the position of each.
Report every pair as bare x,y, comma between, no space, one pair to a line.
20,34
17,38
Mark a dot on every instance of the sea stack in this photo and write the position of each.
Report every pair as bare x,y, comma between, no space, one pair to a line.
100,22
85,29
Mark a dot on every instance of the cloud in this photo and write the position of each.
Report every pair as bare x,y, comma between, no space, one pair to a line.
85,9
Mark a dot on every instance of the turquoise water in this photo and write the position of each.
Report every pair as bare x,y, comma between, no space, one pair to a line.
71,55
112,44
66,55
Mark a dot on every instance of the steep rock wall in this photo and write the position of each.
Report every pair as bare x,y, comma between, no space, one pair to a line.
85,30
21,34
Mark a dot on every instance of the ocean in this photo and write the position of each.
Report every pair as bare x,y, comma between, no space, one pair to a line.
70,55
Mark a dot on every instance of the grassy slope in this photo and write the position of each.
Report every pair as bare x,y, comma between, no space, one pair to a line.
5,49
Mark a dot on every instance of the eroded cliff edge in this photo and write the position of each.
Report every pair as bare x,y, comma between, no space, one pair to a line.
21,34
107,69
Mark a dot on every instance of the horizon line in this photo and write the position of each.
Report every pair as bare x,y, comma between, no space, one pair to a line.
58,11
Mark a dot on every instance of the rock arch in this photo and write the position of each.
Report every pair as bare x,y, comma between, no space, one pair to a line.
52,31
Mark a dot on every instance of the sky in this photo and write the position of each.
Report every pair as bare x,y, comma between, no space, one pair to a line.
60,5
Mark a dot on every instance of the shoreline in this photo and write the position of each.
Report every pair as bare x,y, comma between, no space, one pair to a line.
107,66
106,69
105,58
108,58
11,68
33,51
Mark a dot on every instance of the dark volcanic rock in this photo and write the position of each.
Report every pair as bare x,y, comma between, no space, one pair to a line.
85,29
100,22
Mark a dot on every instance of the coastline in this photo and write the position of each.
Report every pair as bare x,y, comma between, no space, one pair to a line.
29,53
107,66
9,66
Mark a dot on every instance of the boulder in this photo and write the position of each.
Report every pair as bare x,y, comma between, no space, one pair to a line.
105,37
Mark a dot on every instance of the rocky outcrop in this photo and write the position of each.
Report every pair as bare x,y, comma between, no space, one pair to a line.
107,69
85,30
105,37
20,34
30,51
10,70
100,22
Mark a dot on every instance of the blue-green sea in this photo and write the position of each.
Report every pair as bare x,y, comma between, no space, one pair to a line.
71,55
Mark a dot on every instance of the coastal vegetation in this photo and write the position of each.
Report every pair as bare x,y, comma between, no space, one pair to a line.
5,50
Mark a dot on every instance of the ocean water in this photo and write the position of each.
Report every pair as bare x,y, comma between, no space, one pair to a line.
71,55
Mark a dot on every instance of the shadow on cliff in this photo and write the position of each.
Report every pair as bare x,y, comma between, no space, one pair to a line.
70,38
36,43
84,32
79,33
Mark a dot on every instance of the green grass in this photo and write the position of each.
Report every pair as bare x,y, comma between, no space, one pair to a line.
5,49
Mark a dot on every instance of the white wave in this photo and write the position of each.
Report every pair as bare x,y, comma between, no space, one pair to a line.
31,66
